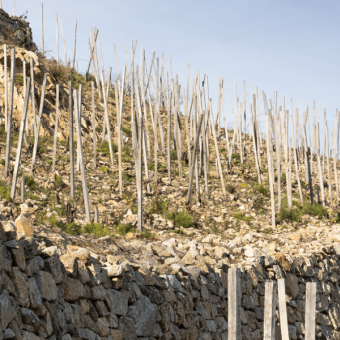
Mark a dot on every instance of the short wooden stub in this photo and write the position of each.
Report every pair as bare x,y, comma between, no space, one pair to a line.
234,304
269,310
310,311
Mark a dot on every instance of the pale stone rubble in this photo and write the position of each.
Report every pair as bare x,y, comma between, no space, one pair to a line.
175,288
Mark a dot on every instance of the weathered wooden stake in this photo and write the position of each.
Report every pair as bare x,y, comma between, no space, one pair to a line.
310,311
6,86
57,37
234,304
22,190
20,141
283,309
9,124
42,30
55,128
96,215
269,310
70,97
36,139
75,45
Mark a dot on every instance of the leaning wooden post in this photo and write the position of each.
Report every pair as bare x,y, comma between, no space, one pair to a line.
310,311
36,140
33,96
328,167
42,29
283,309
22,189
75,45
234,304
57,37
20,141
309,171
193,163
9,125
6,86
77,104
269,310
70,97
55,129
94,136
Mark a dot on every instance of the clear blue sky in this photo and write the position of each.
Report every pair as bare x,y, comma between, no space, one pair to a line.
287,46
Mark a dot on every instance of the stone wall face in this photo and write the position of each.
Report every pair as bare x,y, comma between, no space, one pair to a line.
15,31
81,295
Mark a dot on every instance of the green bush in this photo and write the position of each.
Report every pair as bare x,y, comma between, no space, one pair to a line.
55,223
262,190
173,155
158,205
236,156
5,193
123,229
315,210
58,180
97,229
241,217
73,229
31,183
180,219
105,148
292,215
127,131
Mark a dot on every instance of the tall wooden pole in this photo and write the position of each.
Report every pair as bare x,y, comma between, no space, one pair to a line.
55,129
70,97
20,141
6,86
75,45
9,125
94,136
42,30
62,33
57,37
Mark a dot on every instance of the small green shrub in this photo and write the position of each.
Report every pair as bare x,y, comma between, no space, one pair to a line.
180,219
19,79
123,229
73,228
158,205
31,183
104,168
127,131
173,155
58,180
5,193
292,215
97,229
236,156
315,210
262,190
283,178
147,234
55,223
105,148
241,217
244,186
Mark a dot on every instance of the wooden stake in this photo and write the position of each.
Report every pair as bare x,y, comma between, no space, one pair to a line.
9,122
75,45
19,147
42,30
96,215
6,87
57,36
62,33
283,309
70,97
310,311
55,129
22,190
269,310
94,136
234,304
77,104
33,95
36,138
328,167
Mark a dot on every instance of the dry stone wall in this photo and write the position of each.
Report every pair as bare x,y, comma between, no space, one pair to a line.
52,290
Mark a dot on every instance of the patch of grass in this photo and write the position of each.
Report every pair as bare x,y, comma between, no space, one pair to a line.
127,131
173,155
73,229
19,79
180,219
258,203
97,229
262,190
58,180
147,234
105,148
122,229
104,168
5,192
177,231
315,210
236,156
241,217
244,186
158,205
55,223
29,181
292,215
